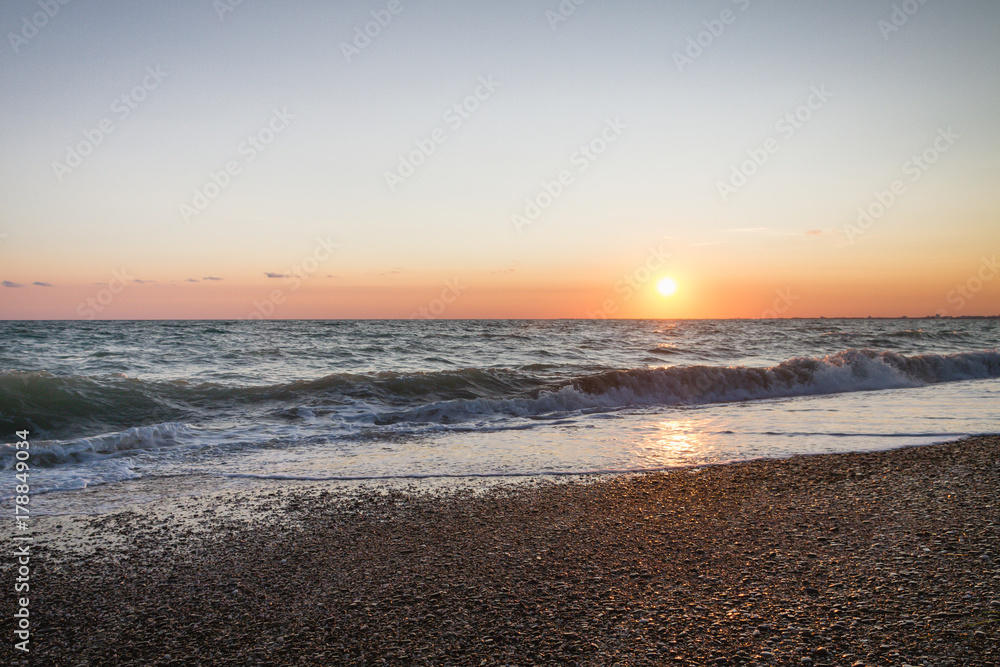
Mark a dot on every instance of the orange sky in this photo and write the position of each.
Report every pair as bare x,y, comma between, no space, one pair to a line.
479,295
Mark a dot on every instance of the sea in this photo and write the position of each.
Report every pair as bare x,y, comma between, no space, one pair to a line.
109,402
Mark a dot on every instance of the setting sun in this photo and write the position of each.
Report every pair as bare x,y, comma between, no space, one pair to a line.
666,286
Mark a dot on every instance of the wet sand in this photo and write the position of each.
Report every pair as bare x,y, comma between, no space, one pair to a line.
886,558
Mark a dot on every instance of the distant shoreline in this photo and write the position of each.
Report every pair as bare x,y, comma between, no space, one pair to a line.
535,319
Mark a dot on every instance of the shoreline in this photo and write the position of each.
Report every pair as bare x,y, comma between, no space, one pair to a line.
888,557
159,493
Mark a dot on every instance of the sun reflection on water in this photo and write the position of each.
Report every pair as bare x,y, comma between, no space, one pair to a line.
672,442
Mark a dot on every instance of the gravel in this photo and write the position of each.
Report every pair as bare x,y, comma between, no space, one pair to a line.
885,558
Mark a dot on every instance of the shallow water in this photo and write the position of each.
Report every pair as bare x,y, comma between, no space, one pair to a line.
112,401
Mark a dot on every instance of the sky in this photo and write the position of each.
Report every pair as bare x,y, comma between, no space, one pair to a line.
499,159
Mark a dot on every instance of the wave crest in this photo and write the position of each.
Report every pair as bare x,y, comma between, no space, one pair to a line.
851,370
66,406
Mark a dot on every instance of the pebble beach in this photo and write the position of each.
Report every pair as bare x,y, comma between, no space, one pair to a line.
886,558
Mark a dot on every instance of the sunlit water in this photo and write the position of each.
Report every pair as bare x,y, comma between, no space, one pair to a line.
113,401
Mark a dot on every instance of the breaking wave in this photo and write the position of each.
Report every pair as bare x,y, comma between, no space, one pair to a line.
131,415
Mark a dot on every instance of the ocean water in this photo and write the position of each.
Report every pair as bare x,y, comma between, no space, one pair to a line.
345,400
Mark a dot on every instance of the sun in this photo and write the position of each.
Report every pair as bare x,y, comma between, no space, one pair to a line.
666,286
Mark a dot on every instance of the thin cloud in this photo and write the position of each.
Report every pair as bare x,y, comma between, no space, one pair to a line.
143,282
8,283
276,275
191,280
211,278
41,284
